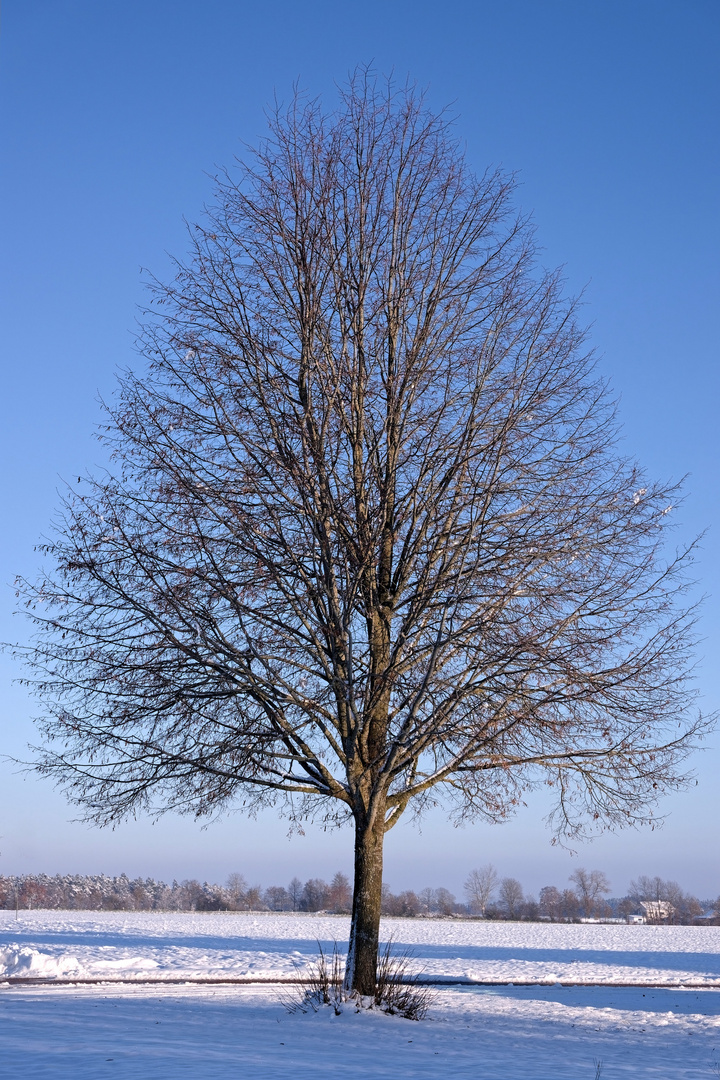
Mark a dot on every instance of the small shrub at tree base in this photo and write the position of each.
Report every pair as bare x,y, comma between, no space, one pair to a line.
323,985
398,990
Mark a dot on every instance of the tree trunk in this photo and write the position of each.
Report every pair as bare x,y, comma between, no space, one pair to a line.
361,970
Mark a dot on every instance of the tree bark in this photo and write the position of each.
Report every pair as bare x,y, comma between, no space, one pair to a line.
361,970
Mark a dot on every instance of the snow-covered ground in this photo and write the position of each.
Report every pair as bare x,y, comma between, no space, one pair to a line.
100,945
165,1030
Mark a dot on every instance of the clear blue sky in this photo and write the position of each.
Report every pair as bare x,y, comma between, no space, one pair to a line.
112,116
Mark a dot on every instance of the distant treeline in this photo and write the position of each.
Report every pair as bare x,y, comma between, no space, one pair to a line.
649,899
100,892
487,896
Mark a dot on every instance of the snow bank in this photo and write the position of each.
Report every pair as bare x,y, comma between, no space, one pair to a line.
31,964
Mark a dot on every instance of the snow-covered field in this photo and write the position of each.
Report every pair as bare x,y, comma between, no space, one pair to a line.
163,1029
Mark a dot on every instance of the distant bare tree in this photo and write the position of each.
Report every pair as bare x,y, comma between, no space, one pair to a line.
253,899
339,897
626,908
191,894
530,908
368,542
676,897
428,899
673,890
480,886
511,897
407,903
276,898
648,888
314,895
295,890
550,903
592,885
570,904
445,901
236,886
686,907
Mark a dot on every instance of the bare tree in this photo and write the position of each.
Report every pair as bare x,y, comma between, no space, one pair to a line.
682,907
648,888
530,908
406,903
339,894
592,885
253,899
480,886
276,898
236,886
445,901
570,905
550,904
314,895
368,542
511,896
626,908
295,890
427,899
